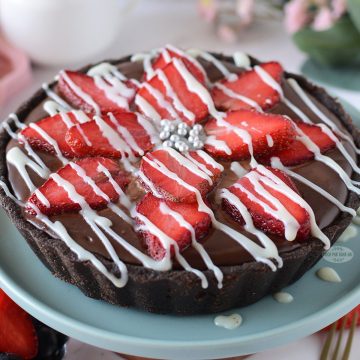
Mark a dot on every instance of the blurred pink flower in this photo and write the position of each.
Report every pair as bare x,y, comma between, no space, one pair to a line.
245,9
324,19
296,15
339,8
226,33
208,9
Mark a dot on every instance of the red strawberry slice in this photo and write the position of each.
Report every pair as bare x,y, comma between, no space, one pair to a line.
173,176
170,82
17,332
250,85
56,128
265,219
58,199
81,91
112,135
228,138
163,214
297,153
171,52
347,320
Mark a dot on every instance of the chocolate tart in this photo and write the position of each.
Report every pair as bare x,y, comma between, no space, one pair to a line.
178,291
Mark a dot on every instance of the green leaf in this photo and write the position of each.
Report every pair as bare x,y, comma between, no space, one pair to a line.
354,11
337,46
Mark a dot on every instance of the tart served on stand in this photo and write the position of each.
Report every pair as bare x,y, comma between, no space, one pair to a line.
180,181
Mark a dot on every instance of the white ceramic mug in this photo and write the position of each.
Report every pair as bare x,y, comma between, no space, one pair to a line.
60,32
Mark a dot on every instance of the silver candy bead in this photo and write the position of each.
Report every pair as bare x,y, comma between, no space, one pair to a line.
194,132
198,128
191,139
182,131
168,143
164,135
166,128
174,137
198,144
182,146
172,127
183,125
164,122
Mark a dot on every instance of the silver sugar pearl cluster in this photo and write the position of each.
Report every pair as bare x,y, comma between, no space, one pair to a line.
181,136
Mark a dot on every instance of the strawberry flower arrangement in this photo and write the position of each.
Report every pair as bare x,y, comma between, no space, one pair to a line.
174,133
327,30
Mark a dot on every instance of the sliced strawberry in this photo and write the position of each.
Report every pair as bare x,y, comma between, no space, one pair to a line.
54,127
266,219
297,153
171,52
347,320
83,92
159,213
180,101
175,177
58,198
111,135
17,332
227,137
250,85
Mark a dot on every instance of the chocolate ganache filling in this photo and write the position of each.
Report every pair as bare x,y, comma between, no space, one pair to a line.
222,249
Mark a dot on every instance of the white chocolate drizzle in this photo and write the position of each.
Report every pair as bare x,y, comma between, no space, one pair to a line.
242,60
83,255
50,140
213,60
80,93
232,94
52,95
238,169
259,253
179,106
20,161
147,108
190,58
270,140
276,163
310,145
160,99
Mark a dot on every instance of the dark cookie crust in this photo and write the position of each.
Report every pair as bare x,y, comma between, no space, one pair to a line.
176,291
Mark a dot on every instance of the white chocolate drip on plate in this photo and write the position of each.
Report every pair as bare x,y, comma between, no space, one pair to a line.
229,322
328,274
349,233
283,297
